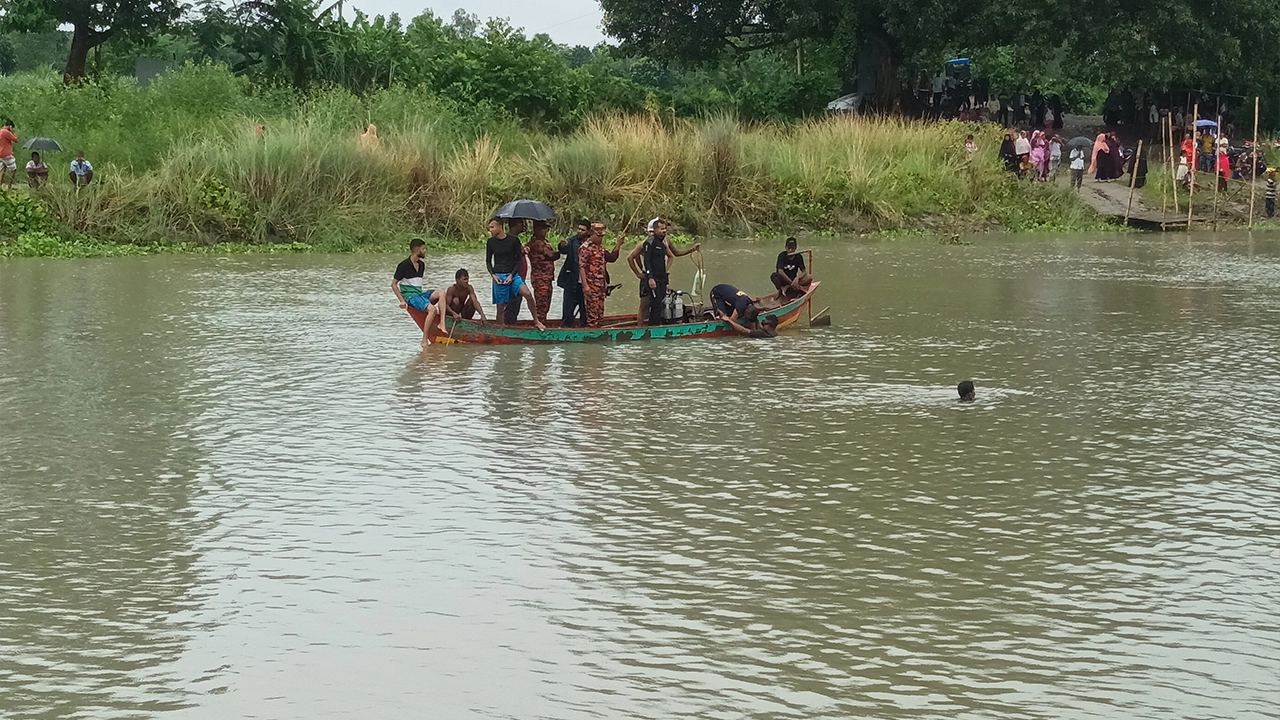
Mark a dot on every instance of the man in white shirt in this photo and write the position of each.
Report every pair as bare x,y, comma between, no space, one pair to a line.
1077,167
81,170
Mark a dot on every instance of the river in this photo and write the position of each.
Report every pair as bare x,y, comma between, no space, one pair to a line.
236,487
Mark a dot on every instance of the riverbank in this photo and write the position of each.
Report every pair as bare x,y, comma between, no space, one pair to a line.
202,175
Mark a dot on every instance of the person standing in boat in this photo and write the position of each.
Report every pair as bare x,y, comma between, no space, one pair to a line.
518,227
572,311
651,262
502,256
542,269
593,274
790,276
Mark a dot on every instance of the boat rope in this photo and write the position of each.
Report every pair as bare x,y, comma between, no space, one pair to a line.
699,276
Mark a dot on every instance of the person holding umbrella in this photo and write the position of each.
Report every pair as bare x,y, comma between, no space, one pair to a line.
542,268
37,171
1078,153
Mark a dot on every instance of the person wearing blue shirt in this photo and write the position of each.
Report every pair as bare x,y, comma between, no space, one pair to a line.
81,170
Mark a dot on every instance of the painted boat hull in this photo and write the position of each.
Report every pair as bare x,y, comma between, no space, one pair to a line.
616,328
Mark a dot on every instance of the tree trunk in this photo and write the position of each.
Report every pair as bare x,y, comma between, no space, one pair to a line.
885,70
83,40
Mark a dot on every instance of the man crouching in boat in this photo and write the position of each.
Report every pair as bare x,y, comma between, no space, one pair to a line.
460,301
502,257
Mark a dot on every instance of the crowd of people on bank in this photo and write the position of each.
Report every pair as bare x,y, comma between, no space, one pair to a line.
524,273
81,172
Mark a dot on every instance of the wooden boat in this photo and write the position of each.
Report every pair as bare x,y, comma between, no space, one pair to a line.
615,328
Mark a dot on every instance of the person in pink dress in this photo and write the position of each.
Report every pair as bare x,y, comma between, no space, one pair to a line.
1040,155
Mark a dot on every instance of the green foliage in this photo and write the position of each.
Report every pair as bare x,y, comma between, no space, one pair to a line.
21,213
181,162
8,56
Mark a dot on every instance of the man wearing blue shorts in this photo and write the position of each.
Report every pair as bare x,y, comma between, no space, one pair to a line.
407,285
502,255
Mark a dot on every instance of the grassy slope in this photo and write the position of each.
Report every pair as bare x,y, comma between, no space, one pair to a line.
179,162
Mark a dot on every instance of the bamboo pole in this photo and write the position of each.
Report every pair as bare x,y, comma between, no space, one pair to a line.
1253,169
1133,181
1173,167
1217,174
1164,188
1191,193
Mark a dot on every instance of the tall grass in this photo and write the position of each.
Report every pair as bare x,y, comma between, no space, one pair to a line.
181,161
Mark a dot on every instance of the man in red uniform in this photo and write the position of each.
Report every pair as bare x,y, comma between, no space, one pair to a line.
542,269
592,259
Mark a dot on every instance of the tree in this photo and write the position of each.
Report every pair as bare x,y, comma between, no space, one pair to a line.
93,22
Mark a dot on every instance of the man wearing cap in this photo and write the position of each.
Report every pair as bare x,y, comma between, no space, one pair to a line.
542,269
593,274
651,262
791,277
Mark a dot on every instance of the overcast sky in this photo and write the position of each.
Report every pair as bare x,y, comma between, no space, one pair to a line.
570,22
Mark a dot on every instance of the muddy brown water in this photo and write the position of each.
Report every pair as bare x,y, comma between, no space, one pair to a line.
235,487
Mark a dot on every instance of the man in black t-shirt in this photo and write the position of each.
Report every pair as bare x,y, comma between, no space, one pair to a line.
407,282
790,277
502,256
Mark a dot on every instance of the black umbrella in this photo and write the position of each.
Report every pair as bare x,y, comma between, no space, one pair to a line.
42,144
526,210
1081,141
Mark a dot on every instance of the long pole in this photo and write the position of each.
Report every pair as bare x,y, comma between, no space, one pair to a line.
1191,192
1217,174
1253,162
1173,167
1164,187
1133,181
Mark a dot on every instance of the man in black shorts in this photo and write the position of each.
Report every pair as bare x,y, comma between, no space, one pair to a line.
651,262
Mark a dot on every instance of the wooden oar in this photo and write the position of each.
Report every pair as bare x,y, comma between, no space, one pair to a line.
822,319
448,340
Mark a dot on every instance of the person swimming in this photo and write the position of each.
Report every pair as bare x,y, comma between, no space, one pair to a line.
966,391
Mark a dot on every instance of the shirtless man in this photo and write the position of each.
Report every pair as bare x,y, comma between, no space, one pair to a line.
460,301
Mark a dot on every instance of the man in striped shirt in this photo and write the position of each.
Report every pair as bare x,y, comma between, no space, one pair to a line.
1271,193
